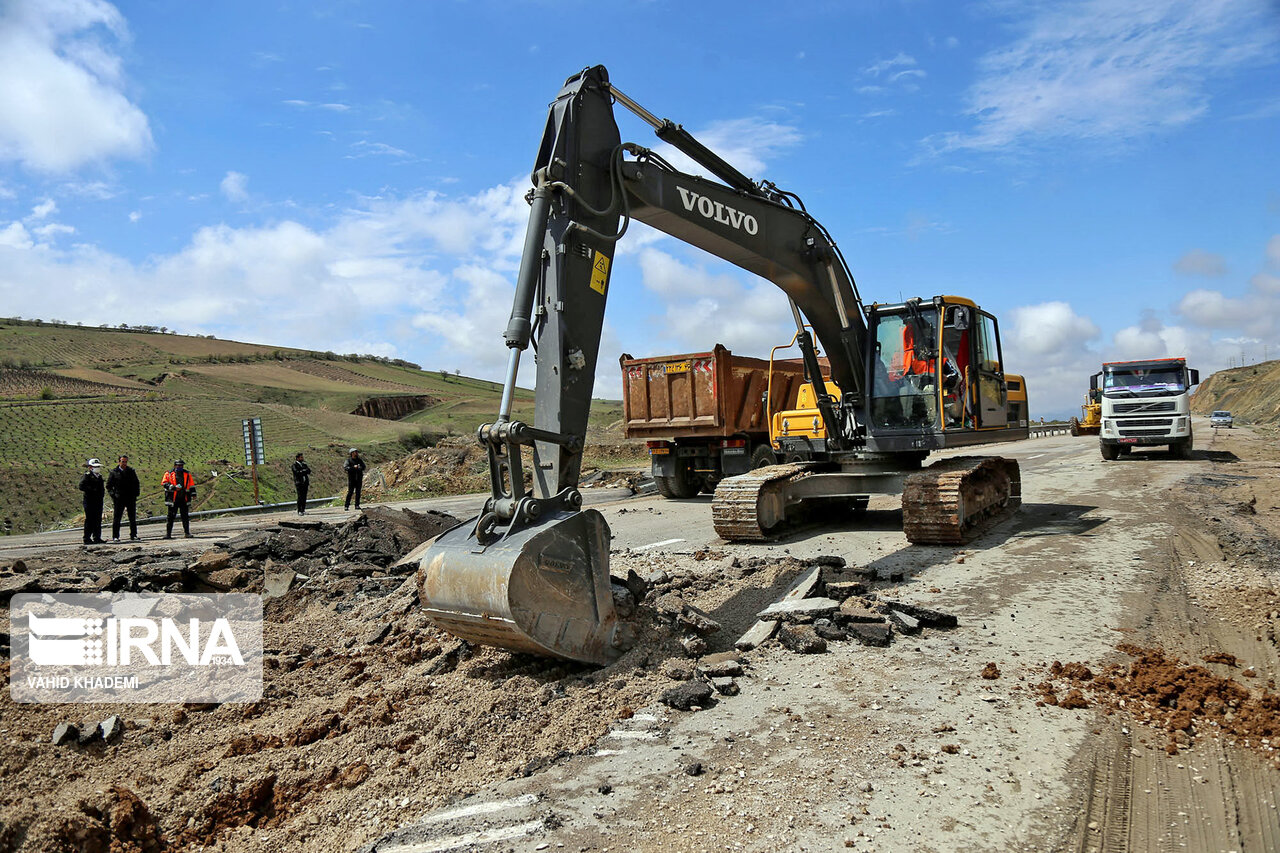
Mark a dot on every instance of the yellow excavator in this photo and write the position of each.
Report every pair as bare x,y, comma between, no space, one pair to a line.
531,572
1091,423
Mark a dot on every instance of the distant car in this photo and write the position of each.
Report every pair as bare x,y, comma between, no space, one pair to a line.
1222,419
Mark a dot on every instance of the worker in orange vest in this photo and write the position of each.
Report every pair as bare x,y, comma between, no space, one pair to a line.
179,491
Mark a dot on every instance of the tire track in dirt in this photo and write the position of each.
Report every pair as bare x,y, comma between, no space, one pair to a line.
1216,795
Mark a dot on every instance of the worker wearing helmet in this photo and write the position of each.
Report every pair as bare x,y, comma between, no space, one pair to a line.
179,491
354,466
94,488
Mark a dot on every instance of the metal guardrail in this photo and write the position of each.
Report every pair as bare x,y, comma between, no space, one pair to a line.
249,509
1038,431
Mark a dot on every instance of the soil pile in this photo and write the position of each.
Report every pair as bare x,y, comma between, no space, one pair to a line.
1187,701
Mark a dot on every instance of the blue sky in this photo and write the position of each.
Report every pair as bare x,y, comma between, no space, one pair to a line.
1103,175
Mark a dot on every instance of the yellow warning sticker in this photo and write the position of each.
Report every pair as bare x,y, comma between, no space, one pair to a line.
600,273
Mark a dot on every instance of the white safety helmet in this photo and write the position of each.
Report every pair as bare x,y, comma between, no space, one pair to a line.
93,463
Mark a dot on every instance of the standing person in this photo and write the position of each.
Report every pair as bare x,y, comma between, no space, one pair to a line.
179,491
94,489
301,482
124,488
354,466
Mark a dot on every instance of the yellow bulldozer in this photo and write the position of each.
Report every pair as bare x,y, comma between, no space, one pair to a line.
1091,423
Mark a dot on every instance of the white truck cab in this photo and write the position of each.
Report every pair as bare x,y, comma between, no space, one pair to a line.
1146,403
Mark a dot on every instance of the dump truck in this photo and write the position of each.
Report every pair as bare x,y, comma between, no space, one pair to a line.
705,415
1145,403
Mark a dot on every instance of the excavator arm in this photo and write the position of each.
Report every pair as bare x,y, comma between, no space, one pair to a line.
531,572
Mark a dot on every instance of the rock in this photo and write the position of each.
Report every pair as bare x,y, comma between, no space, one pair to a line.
906,624
685,696
638,586
840,590
65,733
991,672
721,657
624,602
799,610
376,634
828,631
126,557
828,560
694,647
756,635
228,578
18,567
927,617
855,610
276,581
605,789
870,633
112,728
693,768
290,544
725,686
211,561
801,639
720,669
678,670
252,543
89,736
657,578
697,621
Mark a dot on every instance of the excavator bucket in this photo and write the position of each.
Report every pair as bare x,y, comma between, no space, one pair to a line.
542,589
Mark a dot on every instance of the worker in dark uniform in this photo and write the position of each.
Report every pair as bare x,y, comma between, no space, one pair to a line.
301,482
179,491
124,488
94,489
354,466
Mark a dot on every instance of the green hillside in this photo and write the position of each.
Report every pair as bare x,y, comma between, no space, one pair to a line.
68,393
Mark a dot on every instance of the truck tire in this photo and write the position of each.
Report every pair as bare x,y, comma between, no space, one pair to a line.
677,487
1110,452
1181,449
1075,426
763,456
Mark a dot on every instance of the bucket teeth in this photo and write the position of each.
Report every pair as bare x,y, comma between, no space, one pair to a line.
952,501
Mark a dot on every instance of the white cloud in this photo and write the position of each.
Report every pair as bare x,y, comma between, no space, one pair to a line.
52,230
135,215
899,73
1109,70
361,280
235,186
364,148
882,66
44,209
747,144
1200,262
1273,252
62,99
1050,328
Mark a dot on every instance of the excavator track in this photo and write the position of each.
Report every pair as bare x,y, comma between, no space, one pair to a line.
747,507
953,500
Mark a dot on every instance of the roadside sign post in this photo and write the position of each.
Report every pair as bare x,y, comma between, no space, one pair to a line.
254,455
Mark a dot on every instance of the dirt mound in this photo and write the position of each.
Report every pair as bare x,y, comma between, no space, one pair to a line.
1251,393
1186,700
454,466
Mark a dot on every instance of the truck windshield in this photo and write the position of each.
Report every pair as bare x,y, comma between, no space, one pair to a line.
1144,380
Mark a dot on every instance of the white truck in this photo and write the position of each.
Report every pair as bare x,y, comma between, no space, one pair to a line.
1146,403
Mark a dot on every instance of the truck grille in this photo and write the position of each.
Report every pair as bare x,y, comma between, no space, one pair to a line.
1135,433
1144,422
1158,406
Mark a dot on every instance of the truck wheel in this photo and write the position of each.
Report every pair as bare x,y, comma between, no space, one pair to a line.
676,487
1111,452
763,456
1126,449
1181,449
1075,426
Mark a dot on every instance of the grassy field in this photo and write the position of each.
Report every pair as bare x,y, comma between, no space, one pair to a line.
69,393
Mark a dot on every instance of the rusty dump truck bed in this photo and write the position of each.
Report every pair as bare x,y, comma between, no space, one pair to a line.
710,394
